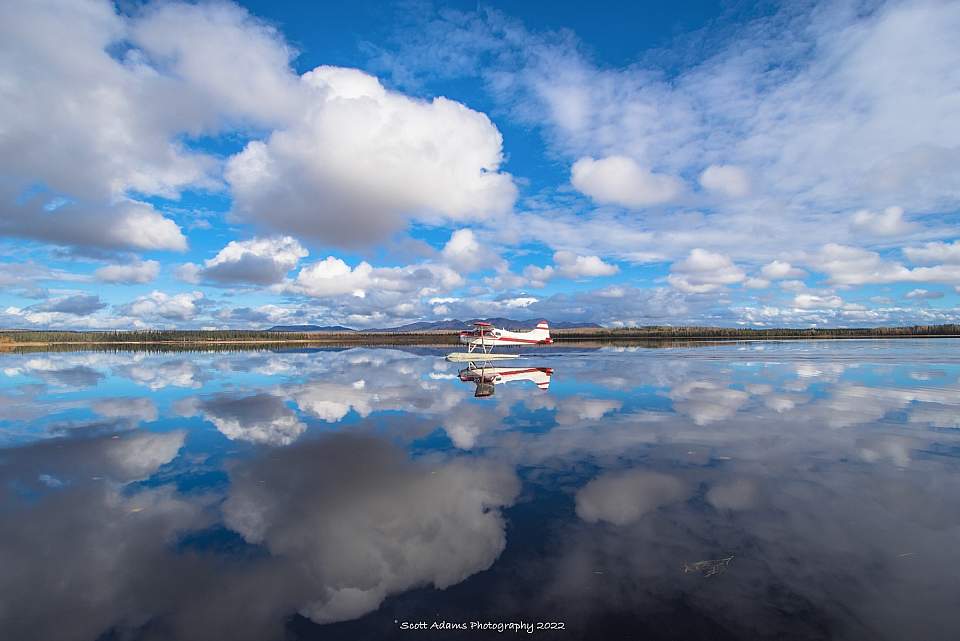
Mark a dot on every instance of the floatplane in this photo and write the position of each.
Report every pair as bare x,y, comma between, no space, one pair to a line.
484,337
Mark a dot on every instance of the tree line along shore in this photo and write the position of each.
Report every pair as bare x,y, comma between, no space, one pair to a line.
442,337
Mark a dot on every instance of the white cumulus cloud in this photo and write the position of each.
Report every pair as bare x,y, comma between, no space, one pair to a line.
620,180
94,128
704,271
260,261
466,254
136,272
360,160
333,277
158,305
813,301
567,264
570,265
778,269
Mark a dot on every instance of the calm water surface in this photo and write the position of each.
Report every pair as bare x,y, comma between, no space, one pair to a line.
798,490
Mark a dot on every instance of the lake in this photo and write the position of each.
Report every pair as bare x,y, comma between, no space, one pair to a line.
741,490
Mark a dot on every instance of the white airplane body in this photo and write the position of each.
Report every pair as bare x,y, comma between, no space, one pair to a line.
485,336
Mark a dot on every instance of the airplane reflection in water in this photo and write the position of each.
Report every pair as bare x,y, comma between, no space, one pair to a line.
485,377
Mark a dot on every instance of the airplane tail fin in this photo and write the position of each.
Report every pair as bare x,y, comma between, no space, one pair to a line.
542,332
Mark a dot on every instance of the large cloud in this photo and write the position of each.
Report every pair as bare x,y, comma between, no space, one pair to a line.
360,160
135,85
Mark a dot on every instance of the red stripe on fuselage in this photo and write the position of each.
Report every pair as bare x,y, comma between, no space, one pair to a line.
489,340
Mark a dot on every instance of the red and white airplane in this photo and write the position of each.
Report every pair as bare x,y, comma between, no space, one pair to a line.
485,336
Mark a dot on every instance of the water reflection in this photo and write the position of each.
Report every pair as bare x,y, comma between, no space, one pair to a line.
325,494
258,418
328,528
485,376
362,521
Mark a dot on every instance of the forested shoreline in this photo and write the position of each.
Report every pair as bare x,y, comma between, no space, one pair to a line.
22,337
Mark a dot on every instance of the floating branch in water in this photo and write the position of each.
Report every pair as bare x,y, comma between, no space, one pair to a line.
708,567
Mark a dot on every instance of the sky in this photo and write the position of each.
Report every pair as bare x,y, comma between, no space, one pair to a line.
368,164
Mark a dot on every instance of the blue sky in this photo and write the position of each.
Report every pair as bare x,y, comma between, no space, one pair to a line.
243,165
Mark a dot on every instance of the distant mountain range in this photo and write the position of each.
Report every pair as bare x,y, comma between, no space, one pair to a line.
310,328
445,325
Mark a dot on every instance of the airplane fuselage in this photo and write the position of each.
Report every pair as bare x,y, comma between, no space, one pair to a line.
491,336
